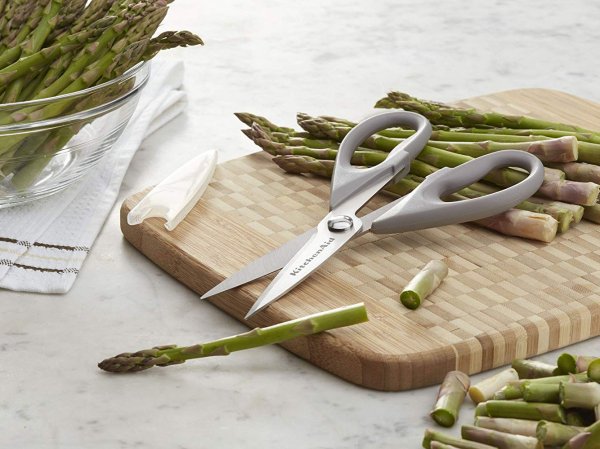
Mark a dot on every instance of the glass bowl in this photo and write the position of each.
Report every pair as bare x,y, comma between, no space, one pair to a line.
47,145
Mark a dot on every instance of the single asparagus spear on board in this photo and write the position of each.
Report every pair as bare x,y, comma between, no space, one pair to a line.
170,355
423,284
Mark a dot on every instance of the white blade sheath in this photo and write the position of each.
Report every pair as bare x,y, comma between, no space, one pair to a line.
317,250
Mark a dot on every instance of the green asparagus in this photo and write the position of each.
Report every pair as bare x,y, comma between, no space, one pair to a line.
172,354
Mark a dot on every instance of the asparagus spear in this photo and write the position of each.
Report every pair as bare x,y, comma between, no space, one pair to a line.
172,354
432,435
439,113
590,137
526,410
424,284
531,369
539,392
500,440
485,389
508,425
555,434
563,149
450,398
579,395
170,39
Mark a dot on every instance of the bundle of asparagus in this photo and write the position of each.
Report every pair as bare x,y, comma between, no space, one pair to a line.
569,193
56,47
526,407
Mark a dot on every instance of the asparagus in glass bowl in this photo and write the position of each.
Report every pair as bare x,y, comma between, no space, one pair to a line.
71,73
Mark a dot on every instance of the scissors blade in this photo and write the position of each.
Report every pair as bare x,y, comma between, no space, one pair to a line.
277,258
311,256
263,265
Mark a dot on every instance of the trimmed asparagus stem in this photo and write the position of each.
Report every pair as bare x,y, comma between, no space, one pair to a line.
500,440
510,391
555,434
539,392
169,355
532,369
450,398
579,395
485,389
580,377
593,370
433,435
554,133
521,223
553,174
508,425
526,410
424,284
566,363
582,193
576,209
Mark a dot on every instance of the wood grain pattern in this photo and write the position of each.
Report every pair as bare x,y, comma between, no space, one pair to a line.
504,297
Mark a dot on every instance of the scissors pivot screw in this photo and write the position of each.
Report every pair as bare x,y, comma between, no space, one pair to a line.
340,224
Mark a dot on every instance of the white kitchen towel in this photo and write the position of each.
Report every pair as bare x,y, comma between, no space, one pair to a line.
44,243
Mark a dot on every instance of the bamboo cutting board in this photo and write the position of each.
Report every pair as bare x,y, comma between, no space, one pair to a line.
504,297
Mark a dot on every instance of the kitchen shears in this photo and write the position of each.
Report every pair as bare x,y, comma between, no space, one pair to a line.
353,187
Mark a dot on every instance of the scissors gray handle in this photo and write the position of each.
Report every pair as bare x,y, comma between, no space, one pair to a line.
361,184
424,208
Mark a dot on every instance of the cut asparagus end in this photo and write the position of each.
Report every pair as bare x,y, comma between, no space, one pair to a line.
486,389
566,363
593,371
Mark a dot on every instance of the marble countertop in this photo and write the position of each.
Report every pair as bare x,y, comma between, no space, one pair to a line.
272,57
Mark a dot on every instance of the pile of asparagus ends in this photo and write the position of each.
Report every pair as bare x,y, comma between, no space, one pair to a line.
570,154
55,47
532,405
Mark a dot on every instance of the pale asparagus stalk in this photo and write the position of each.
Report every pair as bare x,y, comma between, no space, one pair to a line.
522,223
500,440
579,395
423,284
450,398
555,434
532,369
433,435
485,389
509,425
580,171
